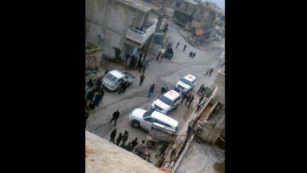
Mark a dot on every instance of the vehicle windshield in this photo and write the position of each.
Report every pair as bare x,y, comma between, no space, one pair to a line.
111,77
147,114
165,100
186,81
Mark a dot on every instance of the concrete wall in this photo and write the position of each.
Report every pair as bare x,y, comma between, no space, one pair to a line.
94,13
112,20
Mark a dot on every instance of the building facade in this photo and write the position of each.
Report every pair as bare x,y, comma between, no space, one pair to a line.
129,25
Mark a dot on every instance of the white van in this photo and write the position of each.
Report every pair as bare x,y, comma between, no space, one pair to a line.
145,119
166,102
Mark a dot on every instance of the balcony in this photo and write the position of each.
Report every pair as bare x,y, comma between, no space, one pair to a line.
140,37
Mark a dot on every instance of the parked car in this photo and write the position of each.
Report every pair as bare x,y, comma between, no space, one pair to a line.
186,83
145,119
166,102
114,78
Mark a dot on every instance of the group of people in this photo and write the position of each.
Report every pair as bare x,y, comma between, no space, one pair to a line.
94,94
192,54
133,146
188,98
201,91
121,138
137,62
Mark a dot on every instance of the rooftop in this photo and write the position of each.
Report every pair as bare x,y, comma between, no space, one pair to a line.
141,5
191,1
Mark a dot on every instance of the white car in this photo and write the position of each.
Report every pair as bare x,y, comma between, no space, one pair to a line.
145,119
186,83
166,102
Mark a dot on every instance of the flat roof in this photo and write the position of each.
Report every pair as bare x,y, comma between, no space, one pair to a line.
191,1
141,5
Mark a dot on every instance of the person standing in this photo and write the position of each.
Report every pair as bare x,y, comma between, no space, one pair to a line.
201,88
201,99
177,44
142,77
119,138
125,138
208,71
121,88
115,116
151,89
211,70
134,143
190,100
113,135
125,86
101,90
193,55
183,97
127,58
187,99
184,47
96,99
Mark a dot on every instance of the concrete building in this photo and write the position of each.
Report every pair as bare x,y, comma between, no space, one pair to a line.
129,25
193,15
183,14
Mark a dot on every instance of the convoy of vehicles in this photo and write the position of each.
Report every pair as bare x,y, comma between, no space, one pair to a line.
164,104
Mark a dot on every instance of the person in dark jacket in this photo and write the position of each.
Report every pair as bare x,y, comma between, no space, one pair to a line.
190,100
119,138
115,116
125,138
183,97
193,55
134,142
113,135
142,77
177,45
184,47
101,91
96,99
151,89
187,99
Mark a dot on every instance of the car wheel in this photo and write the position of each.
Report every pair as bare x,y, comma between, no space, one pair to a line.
135,124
